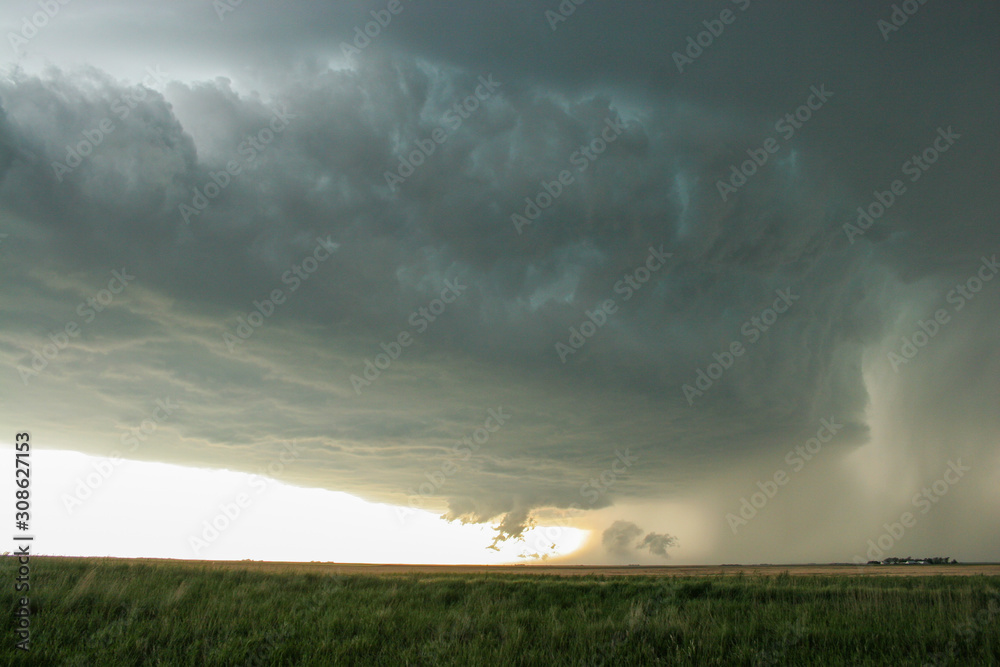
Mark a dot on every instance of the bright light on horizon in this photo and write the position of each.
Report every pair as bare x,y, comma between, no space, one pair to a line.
85,505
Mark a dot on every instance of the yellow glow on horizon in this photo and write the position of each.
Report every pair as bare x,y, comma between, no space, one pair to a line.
91,506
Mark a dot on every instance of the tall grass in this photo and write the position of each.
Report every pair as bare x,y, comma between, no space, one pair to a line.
114,613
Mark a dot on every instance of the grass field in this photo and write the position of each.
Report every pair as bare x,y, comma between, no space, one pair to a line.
116,612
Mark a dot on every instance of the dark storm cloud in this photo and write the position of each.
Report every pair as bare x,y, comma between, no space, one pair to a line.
670,138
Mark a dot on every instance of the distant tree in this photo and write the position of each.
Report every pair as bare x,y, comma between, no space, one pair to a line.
909,560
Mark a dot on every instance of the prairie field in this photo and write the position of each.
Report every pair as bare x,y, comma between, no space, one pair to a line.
147,612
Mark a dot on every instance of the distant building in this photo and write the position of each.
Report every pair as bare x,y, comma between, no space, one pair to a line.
936,560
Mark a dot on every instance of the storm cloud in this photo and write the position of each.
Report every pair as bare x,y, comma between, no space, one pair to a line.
624,538
467,265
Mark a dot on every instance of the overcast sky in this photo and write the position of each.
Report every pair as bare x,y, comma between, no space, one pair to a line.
618,248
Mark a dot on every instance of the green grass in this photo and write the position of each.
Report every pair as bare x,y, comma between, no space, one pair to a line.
89,613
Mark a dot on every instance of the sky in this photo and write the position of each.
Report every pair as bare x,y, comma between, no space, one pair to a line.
439,281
